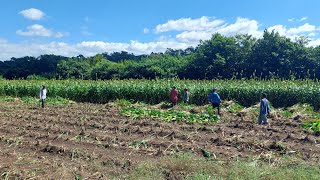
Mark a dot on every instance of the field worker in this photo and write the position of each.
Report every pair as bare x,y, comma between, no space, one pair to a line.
264,110
214,99
174,96
43,95
186,95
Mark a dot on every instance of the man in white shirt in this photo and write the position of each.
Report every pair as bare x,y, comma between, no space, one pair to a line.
43,95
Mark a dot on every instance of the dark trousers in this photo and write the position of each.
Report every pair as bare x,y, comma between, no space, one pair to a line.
42,103
216,105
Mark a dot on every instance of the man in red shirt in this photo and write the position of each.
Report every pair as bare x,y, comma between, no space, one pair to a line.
174,95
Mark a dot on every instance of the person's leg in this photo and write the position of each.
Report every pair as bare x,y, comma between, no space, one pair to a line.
174,103
260,119
265,119
42,103
218,106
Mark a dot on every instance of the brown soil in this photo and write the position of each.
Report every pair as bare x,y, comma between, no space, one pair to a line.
94,141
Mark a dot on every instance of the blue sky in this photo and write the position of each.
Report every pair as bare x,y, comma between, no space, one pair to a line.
88,27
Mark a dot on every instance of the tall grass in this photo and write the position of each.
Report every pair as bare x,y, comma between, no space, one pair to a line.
245,92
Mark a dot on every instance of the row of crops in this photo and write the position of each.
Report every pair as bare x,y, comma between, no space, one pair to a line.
245,92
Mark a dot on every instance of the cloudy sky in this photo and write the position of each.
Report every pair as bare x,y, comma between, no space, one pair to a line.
88,27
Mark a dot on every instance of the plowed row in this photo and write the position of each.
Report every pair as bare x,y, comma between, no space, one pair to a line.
94,141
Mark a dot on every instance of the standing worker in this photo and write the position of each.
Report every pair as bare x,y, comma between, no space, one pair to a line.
43,95
264,110
174,96
214,99
186,95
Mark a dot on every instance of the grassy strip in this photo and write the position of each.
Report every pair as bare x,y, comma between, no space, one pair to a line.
35,101
188,166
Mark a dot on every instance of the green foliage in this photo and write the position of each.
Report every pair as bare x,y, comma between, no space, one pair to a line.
206,153
287,114
122,103
234,108
35,101
7,99
35,77
169,115
244,92
312,125
220,57
188,166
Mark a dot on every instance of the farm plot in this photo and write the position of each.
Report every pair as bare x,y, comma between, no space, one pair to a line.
95,141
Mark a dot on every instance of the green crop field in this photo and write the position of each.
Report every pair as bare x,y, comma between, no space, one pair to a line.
245,92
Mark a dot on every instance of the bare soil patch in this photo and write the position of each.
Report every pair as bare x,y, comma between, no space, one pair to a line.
95,141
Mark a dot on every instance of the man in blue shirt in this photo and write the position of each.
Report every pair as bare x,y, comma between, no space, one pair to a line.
214,99
264,110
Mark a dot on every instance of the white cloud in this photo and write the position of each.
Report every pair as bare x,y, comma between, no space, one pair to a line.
189,36
314,42
39,30
282,30
304,30
241,26
35,30
194,36
60,34
303,19
291,19
33,14
86,48
188,24
297,19
301,29
146,30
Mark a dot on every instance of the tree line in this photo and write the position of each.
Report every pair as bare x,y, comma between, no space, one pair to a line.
220,57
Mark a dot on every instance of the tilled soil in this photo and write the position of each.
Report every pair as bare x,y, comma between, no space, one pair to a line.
94,141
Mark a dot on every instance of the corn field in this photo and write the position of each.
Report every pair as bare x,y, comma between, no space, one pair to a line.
245,92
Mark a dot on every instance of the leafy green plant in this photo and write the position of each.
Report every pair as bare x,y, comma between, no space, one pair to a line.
7,99
169,115
122,103
287,114
312,125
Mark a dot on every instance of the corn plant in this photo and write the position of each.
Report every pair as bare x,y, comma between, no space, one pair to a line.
244,92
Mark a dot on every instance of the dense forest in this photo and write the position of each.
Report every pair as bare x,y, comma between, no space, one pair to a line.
221,57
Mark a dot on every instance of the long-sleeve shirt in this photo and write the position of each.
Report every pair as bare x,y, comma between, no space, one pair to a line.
43,93
214,98
264,106
174,95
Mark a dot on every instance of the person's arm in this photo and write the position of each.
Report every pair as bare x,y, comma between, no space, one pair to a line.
219,99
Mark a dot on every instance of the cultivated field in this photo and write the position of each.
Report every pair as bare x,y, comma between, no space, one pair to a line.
96,141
